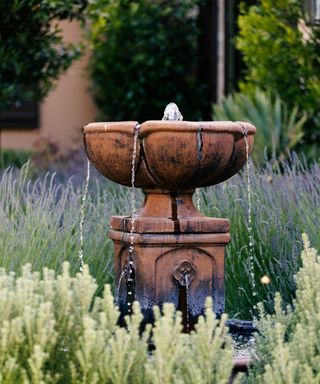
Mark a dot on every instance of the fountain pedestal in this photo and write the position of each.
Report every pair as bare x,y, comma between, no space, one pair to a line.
172,242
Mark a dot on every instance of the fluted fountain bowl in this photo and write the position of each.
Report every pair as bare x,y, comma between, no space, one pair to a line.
171,155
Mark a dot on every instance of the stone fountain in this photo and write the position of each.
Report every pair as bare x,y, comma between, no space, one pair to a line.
168,251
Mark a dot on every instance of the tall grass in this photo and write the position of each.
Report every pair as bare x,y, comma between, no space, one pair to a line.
39,224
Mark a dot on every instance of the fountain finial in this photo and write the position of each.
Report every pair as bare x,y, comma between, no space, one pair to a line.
172,112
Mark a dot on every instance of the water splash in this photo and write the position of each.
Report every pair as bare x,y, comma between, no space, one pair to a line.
250,228
172,112
82,215
243,345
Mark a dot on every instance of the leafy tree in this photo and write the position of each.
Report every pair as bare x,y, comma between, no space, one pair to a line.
281,57
32,50
144,55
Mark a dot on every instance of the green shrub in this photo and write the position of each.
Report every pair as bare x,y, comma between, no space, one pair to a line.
288,347
14,157
53,330
279,128
280,59
144,55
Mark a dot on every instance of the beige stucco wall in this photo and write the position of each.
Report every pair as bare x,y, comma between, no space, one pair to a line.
65,110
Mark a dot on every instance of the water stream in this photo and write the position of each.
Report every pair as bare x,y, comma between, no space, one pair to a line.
198,204
250,228
130,279
187,284
123,274
128,271
82,215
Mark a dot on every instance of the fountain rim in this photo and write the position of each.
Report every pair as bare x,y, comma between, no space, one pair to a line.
156,126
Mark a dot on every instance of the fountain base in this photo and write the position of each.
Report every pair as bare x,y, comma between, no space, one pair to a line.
178,259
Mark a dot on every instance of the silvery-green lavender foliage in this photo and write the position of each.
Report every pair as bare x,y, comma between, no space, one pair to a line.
53,330
285,203
39,224
288,348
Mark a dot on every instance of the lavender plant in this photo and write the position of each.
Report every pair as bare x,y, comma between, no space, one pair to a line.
39,224
285,203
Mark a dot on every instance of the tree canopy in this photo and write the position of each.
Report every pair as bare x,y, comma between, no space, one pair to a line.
282,56
33,52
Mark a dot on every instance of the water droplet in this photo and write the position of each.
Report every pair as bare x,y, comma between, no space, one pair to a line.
265,279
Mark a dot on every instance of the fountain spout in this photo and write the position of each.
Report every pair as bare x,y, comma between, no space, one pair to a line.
172,112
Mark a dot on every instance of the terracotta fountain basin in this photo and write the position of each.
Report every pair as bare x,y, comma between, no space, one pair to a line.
171,155
172,159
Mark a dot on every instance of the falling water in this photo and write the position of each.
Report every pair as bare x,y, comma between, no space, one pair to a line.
198,199
128,271
187,284
124,273
133,177
130,279
82,215
251,240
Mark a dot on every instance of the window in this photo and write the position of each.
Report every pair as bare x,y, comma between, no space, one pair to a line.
23,116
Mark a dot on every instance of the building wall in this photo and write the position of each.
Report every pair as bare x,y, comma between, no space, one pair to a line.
64,111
